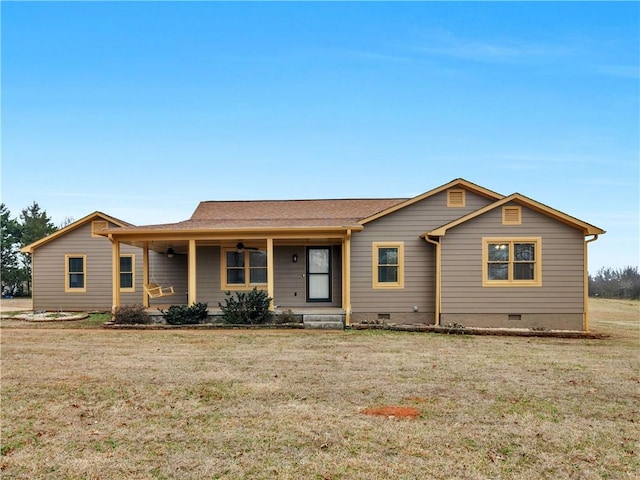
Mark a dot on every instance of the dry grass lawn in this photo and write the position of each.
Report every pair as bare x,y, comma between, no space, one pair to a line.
102,404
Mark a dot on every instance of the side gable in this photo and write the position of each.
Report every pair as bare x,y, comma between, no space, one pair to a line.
73,226
586,228
457,185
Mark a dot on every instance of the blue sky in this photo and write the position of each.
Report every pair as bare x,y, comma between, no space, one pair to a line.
141,109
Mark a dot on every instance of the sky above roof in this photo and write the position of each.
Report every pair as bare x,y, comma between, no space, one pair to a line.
141,110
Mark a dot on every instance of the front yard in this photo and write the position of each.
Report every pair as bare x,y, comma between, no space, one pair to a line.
92,403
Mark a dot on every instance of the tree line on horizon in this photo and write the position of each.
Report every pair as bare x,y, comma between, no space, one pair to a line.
34,224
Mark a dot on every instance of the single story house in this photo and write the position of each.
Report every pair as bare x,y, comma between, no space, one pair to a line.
459,253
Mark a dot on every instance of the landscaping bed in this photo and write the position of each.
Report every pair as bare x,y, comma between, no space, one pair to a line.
41,316
518,332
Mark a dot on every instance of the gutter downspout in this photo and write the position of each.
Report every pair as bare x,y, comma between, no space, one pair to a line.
585,320
438,298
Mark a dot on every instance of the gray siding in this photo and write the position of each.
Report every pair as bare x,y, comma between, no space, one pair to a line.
289,277
168,272
49,273
562,268
290,283
419,282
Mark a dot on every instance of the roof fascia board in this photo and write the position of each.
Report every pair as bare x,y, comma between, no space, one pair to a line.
72,226
587,228
460,182
230,234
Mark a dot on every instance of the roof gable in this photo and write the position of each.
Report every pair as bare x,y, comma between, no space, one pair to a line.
587,228
72,226
459,182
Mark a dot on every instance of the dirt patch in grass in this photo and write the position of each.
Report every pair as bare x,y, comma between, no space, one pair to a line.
392,411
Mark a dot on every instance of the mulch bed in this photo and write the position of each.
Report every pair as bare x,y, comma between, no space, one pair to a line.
47,317
509,332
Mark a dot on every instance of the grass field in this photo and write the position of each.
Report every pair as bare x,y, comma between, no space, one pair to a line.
88,403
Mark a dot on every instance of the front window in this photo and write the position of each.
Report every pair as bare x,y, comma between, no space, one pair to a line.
244,269
75,270
510,262
127,281
388,265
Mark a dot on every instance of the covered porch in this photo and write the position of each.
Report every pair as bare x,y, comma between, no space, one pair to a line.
305,272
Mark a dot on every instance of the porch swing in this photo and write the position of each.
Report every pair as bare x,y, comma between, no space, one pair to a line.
154,289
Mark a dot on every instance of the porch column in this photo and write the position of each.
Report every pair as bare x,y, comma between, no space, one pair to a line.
270,272
115,269
193,285
145,273
346,277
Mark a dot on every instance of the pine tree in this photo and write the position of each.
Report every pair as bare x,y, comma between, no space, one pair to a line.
35,225
10,271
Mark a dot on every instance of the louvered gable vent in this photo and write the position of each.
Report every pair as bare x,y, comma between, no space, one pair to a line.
455,198
511,215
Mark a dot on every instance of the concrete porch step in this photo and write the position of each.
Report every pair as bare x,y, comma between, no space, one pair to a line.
327,322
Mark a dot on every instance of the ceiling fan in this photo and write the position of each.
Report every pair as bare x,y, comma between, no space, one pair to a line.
241,247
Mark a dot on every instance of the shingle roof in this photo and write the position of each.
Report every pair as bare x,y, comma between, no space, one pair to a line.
278,214
297,210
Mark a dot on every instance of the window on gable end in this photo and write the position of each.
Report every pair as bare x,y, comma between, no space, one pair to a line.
512,262
75,273
127,273
511,215
456,198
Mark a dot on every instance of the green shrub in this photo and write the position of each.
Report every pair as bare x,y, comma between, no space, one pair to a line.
246,308
183,315
131,315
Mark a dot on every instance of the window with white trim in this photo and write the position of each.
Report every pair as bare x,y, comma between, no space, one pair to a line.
243,269
388,265
512,262
75,273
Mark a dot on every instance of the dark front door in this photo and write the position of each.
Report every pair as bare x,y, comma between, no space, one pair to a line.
318,274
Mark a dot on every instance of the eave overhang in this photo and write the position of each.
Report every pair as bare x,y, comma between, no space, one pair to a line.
141,233
586,228
72,226
459,182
